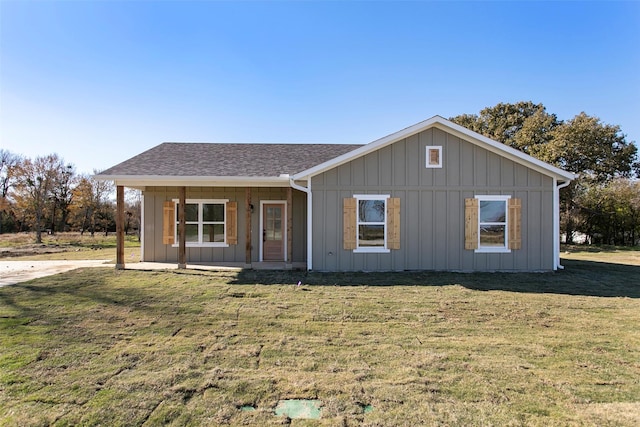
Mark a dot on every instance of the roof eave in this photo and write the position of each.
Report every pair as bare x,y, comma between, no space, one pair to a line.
141,181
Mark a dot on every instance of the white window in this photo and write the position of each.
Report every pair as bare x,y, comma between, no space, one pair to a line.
434,156
493,227
371,211
205,223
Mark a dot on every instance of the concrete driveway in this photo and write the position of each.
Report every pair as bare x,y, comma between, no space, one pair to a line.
12,272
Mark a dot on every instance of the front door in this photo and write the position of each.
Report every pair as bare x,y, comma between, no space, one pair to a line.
272,232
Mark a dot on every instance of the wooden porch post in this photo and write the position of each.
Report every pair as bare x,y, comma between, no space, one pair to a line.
182,252
119,227
247,257
289,226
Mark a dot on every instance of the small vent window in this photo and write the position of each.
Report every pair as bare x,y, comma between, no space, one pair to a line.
434,156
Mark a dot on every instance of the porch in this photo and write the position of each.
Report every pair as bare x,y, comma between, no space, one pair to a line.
260,228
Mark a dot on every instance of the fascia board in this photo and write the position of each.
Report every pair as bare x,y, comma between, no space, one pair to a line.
200,181
450,127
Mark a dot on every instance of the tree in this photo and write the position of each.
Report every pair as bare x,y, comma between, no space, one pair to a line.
610,213
524,125
8,164
91,203
133,211
34,188
595,151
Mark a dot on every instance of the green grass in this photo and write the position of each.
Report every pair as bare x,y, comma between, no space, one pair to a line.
106,347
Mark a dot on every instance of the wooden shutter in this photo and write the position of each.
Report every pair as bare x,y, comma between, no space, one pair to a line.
232,223
471,209
393,223
515,224
168,222
349,223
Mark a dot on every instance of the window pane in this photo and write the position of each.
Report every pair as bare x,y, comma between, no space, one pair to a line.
371,236
213,212
213,233
190,212
493,211
371,210
191,231
492,235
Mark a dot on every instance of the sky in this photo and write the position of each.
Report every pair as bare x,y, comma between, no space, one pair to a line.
98,82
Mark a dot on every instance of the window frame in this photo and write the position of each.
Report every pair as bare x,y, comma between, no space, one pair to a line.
428,150
493,249
385,223
201,223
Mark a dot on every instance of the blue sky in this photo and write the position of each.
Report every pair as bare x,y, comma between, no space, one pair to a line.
100,81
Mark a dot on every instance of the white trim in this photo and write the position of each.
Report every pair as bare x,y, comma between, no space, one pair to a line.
447,126
223,202
284,227
556,223
372,250
307,190
427,151
494,249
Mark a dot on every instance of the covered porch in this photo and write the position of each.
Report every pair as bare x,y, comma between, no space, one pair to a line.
254,238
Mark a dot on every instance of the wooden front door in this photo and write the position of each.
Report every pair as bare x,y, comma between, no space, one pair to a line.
273,231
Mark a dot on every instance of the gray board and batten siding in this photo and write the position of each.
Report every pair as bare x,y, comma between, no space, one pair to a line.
154,249
432,209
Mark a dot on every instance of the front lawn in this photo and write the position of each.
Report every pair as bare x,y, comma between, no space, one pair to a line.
106,347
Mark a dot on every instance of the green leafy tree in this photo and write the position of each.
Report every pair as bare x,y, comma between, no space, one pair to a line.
610,213
594,150
523,125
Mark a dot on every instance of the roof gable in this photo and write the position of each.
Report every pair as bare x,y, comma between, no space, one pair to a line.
447,126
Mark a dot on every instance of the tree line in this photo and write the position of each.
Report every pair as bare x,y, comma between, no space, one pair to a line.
46,195
602,205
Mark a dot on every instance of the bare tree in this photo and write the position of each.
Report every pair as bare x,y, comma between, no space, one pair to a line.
8,164
91,203
34,186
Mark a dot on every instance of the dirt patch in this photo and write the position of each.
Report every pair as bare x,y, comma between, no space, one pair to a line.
28,250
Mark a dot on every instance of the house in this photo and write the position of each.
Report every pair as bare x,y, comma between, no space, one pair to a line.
433,196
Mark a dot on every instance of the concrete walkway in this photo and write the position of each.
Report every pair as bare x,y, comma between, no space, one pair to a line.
12,272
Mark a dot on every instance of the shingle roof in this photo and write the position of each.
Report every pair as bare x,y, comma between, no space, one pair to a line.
208,159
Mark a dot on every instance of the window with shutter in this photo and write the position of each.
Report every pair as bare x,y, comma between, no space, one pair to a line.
493,224
207,223
371,223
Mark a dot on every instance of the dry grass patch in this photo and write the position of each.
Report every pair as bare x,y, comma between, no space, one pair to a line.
66,246
102,347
